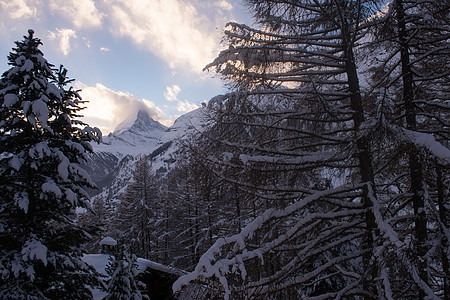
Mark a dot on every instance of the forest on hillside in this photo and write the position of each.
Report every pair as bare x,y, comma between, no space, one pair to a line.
322,174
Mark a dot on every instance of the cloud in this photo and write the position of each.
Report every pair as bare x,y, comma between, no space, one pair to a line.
171,94
171,29
223,4
86,42
104,49
20,9
185,34
64,36
185,106
83,13
107,108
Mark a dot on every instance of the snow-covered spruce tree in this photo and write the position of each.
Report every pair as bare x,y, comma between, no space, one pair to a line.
122,269
41,183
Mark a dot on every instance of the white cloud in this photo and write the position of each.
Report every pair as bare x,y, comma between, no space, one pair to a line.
64,35
104,49
171,94
185,34
83,13
107,108
171,29
185,106
86,42
20,9
223,4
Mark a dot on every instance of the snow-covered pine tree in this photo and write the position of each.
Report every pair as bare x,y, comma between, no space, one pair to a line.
122,269
41,182
191,221
97,217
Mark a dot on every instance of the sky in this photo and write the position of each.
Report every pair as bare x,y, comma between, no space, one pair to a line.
127,55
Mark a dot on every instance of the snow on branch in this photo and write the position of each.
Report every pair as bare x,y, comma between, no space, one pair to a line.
227,260
428,142
421,140
381,224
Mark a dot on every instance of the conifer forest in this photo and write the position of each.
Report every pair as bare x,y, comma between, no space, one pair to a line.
322,173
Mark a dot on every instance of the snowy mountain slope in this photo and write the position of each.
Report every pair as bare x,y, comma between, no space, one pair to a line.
138,138
172,142
129,140
125,146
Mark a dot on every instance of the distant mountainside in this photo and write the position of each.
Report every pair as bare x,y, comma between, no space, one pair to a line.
112,163
141,136
172,142
127,141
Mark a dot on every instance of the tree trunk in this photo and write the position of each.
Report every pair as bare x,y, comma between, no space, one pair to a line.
443,214
415,166
365,166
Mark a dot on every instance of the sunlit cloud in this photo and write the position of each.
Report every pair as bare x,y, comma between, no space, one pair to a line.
83,13
171,94
186,106
64,36
223,4
184,36
171,29
107,108
20,9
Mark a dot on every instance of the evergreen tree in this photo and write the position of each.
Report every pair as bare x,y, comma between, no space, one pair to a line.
122,269
97,217
41,182
136,212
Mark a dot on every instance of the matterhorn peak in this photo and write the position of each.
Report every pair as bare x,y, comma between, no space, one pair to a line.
140,124
133,136
142,115
144,123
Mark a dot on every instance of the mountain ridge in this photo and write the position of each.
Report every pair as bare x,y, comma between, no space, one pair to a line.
140,137
112,162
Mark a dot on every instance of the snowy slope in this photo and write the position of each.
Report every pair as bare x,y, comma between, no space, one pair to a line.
139,137
129,140
171,143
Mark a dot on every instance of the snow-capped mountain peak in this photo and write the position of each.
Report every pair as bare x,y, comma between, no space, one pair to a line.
133,138
142,124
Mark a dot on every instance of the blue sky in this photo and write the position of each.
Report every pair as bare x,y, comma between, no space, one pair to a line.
127,55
